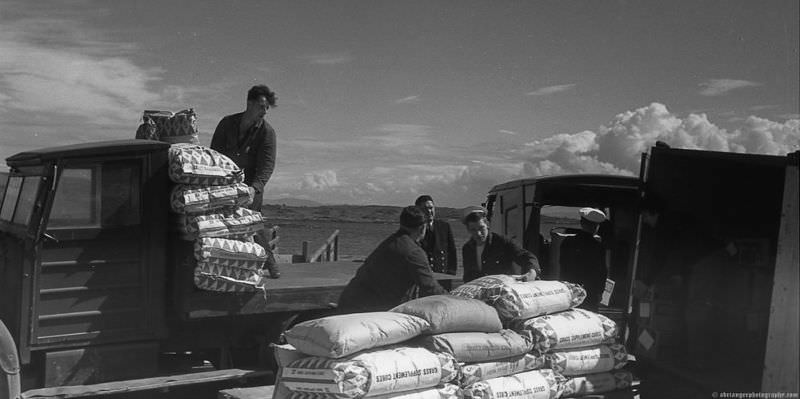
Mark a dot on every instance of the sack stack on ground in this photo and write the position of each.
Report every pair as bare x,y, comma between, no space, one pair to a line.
576,345
208,203
495,337
364,354
471,331
581,346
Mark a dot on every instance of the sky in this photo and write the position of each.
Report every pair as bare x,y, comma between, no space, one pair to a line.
381,101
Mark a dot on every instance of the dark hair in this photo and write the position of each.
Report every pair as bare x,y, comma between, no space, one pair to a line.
412,217
423,199
261,90
475,217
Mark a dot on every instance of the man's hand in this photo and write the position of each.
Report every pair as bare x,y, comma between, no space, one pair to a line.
252,193
530,276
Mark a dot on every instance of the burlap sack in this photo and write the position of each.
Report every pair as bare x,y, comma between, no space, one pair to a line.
341,335
235,224
213,277
190,199
535,384
483,288
475,347
588,360
370,373
173,127
449,313
227,252
200,165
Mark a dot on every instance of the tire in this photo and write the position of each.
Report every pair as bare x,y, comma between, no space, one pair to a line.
9,365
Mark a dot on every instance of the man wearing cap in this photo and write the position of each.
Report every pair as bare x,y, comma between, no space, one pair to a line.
487,253
438,241
396,268
582,257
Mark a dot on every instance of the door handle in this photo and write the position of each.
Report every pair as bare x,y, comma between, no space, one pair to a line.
50,237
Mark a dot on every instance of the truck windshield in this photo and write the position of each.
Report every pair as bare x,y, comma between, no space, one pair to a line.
558,216
19,199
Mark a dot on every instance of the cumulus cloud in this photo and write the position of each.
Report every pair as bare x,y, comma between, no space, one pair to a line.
718,87
543,91
465,176
319,181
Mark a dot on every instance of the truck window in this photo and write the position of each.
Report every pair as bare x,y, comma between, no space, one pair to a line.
27,198
19,199
105,195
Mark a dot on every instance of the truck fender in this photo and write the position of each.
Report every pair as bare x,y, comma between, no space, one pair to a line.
9,365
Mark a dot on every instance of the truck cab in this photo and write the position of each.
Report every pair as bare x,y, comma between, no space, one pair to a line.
538,213
82,258
708,289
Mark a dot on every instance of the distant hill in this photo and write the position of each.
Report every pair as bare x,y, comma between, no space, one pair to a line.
290,202
358,213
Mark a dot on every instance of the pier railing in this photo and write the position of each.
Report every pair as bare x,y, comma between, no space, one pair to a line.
327,252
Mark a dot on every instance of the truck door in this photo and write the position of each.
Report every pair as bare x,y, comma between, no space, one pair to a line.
91,278
20,216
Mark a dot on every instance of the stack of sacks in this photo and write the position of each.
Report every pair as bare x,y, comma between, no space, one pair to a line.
494,362
208,201
170,127
574,343
580,345
364,355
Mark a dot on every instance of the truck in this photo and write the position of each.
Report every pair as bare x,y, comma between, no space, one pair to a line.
709,292
96,290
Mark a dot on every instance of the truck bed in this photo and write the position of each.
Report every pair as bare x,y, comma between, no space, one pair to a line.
301,287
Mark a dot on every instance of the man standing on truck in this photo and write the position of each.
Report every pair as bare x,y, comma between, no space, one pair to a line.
394,271
438,241
248,140
583,257
488,253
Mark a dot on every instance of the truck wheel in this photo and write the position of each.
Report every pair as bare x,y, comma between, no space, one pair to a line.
9,365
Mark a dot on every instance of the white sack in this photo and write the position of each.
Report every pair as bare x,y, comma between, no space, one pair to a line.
526,299
448,313
589,360
573,328
474,372
535,384
597,383
370,373
474,347
342,335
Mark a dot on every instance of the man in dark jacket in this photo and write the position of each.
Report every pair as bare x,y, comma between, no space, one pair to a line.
438,242
394,271
248,140
488,253
583,258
